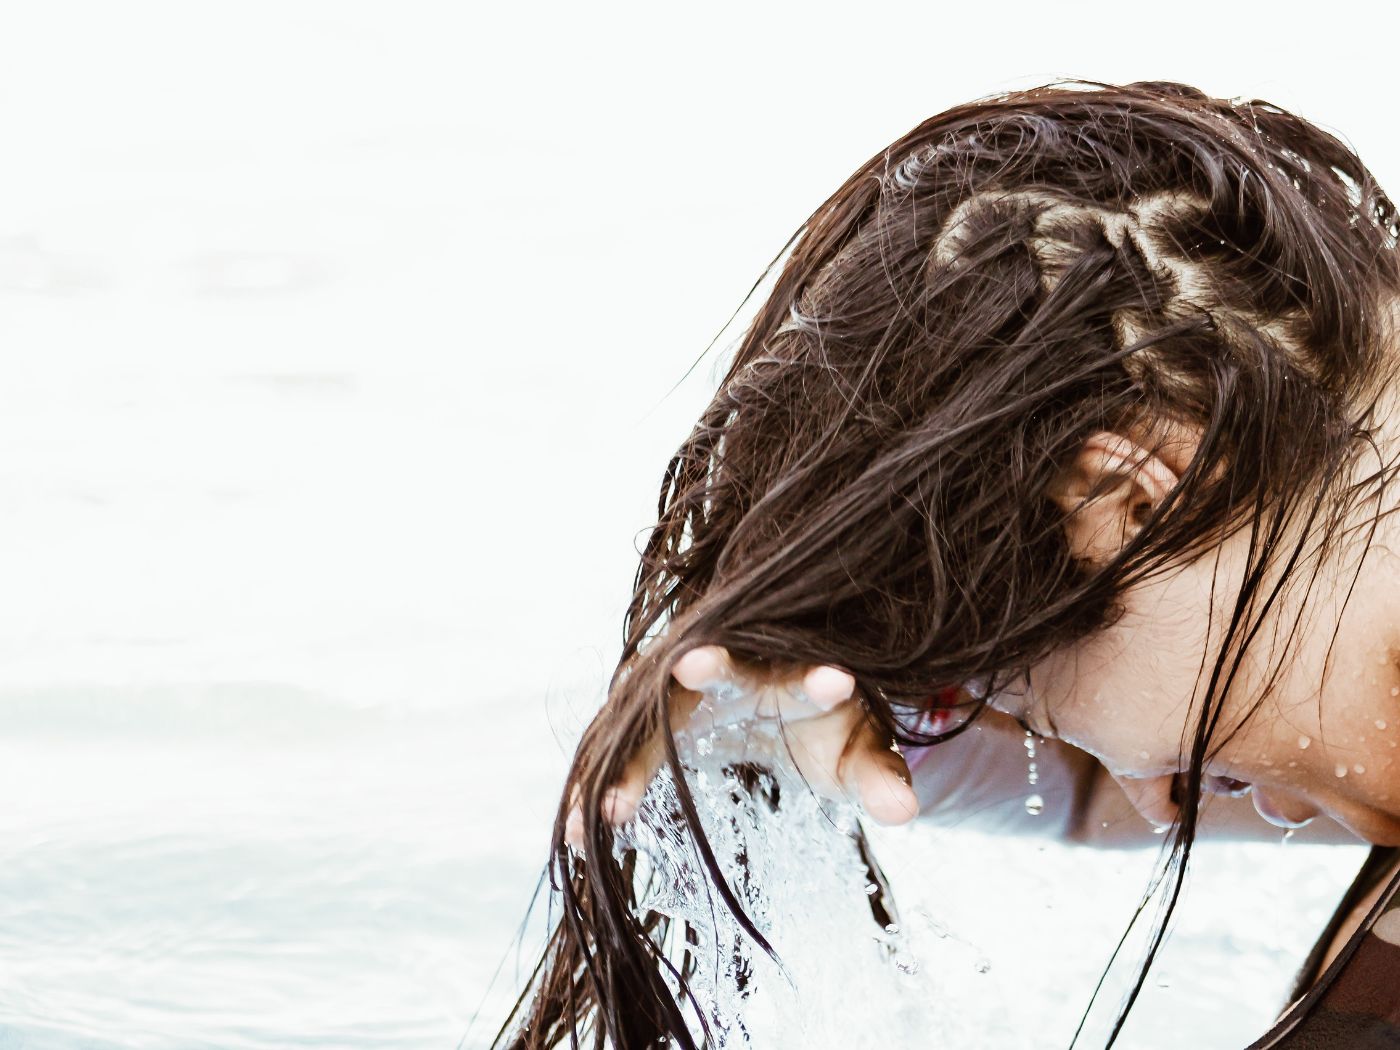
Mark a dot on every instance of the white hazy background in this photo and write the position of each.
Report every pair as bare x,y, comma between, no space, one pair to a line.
337,344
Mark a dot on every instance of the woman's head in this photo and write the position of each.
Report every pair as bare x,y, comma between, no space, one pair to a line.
1045,354
1311,721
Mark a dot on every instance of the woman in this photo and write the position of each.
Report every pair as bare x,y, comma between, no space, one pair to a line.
1073,406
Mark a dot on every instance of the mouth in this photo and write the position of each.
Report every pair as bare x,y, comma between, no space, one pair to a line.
1160,799
1213,785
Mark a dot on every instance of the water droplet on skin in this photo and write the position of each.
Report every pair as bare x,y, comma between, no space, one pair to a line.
982,965
1287,835
1159,830
1395,690
1035,805
1380,723
1293,765
1305,742
1359,768
1341,770
1144,755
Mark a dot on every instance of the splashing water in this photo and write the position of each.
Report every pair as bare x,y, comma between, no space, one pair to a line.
848,974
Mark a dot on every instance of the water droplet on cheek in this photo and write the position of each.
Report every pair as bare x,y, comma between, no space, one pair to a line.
1359,768
1380,723
1305,742
1144,755
1035,805
1341,770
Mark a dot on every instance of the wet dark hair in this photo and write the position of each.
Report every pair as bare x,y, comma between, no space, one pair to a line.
867,487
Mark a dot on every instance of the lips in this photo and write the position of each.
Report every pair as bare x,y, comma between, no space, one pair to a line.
1227,786
1211,784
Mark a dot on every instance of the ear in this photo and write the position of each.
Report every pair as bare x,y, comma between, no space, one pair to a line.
1108,492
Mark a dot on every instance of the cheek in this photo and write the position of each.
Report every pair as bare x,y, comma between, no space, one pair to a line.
1120,697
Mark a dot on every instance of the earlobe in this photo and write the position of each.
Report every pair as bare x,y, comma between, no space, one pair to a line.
1108,492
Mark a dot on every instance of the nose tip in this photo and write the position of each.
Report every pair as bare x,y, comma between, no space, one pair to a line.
1153,797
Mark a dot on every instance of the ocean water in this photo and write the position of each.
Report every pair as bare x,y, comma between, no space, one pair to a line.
253,866
290,677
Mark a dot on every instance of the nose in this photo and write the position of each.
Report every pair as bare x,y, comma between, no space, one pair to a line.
1153,797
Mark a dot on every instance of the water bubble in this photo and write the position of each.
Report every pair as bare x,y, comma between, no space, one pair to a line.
1359,768
1395,690
1287,836
1341,769
1305,742
1380,723
1035,805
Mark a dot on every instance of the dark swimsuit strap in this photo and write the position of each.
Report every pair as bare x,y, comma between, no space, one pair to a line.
1356,1002
1377,863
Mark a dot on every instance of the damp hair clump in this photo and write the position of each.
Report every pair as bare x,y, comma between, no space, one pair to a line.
868,485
